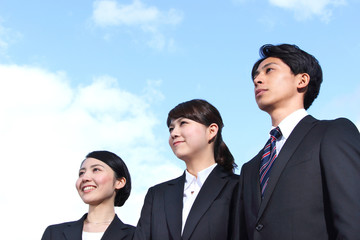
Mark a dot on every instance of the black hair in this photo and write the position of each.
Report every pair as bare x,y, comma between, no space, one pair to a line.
299,61
203,112
121,171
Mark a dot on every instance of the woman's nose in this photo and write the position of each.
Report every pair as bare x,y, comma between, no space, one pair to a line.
85,177
174,132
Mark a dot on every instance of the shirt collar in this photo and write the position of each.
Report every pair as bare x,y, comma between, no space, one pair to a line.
201,176
288,124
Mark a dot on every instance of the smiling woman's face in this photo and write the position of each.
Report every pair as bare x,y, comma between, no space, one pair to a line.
96,183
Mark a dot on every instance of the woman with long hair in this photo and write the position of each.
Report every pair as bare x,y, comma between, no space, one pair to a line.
197,205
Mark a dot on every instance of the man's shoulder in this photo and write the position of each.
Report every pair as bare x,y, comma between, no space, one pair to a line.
336,124
340,126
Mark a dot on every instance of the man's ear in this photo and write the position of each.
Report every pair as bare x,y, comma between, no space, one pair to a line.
212,131
303,81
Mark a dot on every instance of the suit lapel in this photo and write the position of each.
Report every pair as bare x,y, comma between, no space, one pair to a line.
254,183
208,193
116,230
287,151
173,206
74,229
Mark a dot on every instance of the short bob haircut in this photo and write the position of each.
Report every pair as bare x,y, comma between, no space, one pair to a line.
203,112
121,171
298,61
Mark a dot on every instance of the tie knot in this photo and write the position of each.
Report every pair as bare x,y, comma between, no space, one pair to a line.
276,133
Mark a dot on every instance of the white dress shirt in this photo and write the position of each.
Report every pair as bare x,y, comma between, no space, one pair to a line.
287,126
192,188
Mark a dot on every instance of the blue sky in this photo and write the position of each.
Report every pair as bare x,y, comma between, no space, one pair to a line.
77,76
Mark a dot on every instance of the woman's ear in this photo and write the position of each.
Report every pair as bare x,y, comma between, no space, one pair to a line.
212,132
120,183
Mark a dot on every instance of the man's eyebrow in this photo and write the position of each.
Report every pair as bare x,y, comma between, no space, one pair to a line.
268,64
263,67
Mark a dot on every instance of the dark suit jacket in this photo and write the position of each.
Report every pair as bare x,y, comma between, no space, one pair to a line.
209,217
117,230
313,191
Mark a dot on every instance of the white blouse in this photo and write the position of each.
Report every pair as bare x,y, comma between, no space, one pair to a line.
92,235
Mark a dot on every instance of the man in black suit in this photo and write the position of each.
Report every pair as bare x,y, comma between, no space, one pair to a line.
305,184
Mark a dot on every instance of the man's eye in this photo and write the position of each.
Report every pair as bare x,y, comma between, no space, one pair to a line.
170,129
268,70
96,169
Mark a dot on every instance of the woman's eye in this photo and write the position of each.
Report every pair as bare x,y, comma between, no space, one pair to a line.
96,169
81,173
170,129
182,123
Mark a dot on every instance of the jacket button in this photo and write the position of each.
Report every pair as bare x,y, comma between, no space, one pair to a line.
259,227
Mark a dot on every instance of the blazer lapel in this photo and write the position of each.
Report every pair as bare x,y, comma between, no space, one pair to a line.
173,206
116,230
75,229
287,151
209,191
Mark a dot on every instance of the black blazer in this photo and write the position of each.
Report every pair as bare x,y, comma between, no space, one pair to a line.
117,230
209,217
313,191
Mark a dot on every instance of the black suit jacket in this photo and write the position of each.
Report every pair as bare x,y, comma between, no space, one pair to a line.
313,191
209,217
117,230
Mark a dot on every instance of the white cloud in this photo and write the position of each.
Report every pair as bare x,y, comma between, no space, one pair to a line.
3,42
151,92
109,13
305,9
7,37
149,19
48,126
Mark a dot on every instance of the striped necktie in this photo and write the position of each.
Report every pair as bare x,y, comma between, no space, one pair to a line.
268,158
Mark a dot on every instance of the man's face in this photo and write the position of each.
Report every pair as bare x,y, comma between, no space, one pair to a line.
276,87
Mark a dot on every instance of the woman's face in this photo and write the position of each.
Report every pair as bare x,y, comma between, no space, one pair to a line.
96,183
189,139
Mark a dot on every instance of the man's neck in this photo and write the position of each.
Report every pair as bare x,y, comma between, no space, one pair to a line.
279,115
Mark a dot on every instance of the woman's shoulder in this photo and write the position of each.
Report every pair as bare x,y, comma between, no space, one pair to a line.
54,231
119,229
60,226
118,222
161,188
169,182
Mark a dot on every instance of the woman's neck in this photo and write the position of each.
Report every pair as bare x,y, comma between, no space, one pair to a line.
99,218
101,213
194,166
